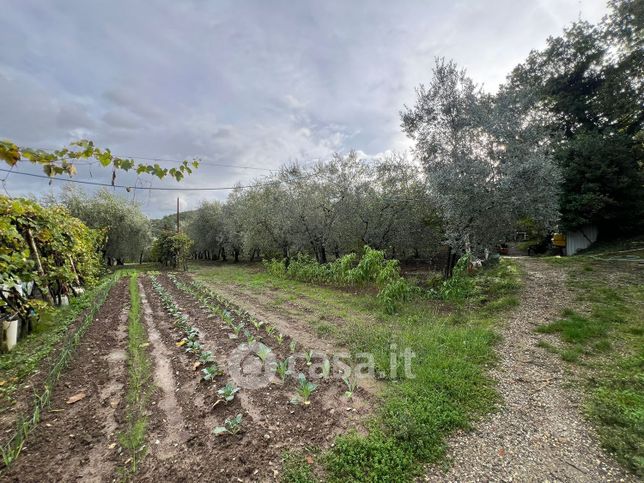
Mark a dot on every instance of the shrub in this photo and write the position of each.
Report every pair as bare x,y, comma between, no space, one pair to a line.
371,269
460,286
172,248
46,246
398,290
277,268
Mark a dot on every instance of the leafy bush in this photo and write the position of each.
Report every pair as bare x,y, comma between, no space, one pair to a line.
460,285
46,246
398,290
277,268
172,248
373,268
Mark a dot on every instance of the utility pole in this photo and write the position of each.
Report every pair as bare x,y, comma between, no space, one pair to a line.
177,214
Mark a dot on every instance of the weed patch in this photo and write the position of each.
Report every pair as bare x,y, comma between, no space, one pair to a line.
372,269
139,383
609,340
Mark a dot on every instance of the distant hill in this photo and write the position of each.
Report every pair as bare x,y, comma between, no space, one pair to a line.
169,222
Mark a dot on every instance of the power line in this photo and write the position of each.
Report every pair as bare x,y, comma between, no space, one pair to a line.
206,162
219,188
109,185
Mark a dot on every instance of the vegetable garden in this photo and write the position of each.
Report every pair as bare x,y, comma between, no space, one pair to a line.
183,406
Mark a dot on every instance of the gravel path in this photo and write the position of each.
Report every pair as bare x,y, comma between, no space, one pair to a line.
539,433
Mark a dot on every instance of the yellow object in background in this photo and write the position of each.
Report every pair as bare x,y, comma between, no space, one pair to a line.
559,240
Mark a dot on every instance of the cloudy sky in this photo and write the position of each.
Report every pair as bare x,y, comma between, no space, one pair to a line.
250,84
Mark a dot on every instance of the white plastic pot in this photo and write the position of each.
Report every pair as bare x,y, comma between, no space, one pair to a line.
10,330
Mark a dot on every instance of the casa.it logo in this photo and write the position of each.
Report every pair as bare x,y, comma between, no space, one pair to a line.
251,366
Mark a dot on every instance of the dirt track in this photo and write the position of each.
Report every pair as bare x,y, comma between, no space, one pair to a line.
539,434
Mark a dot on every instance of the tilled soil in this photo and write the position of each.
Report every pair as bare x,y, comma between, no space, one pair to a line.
182,446
21,401
293,318
539,433
78,441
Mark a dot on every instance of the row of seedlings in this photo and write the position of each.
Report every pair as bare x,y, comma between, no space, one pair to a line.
11,450
191,344
242,323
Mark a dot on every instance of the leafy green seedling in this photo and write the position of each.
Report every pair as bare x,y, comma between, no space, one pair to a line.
205,357
210,372
192,334
280,338
326,368
304,390
293,346
228,392
227,317
238,328
257,323
231,426
250,338
282,369
270,330
194,347
183,322
308,356
263,352
352,385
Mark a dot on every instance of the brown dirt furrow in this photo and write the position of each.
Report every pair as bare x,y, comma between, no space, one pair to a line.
296,323
76,441
540,433
173,433
292,322
270,424
21,401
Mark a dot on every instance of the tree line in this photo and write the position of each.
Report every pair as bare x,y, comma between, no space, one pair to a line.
331,209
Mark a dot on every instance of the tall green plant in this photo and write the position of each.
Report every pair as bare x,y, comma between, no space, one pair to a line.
370,269
460,285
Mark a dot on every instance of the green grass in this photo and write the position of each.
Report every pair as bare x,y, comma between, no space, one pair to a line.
453,342
606,335
139,383
295,469
576,329
373,458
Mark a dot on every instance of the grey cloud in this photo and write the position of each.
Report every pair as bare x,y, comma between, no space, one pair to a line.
121,119
250,83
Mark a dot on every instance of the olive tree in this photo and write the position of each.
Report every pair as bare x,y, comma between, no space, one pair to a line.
487,163
127,228
333,208
206,229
